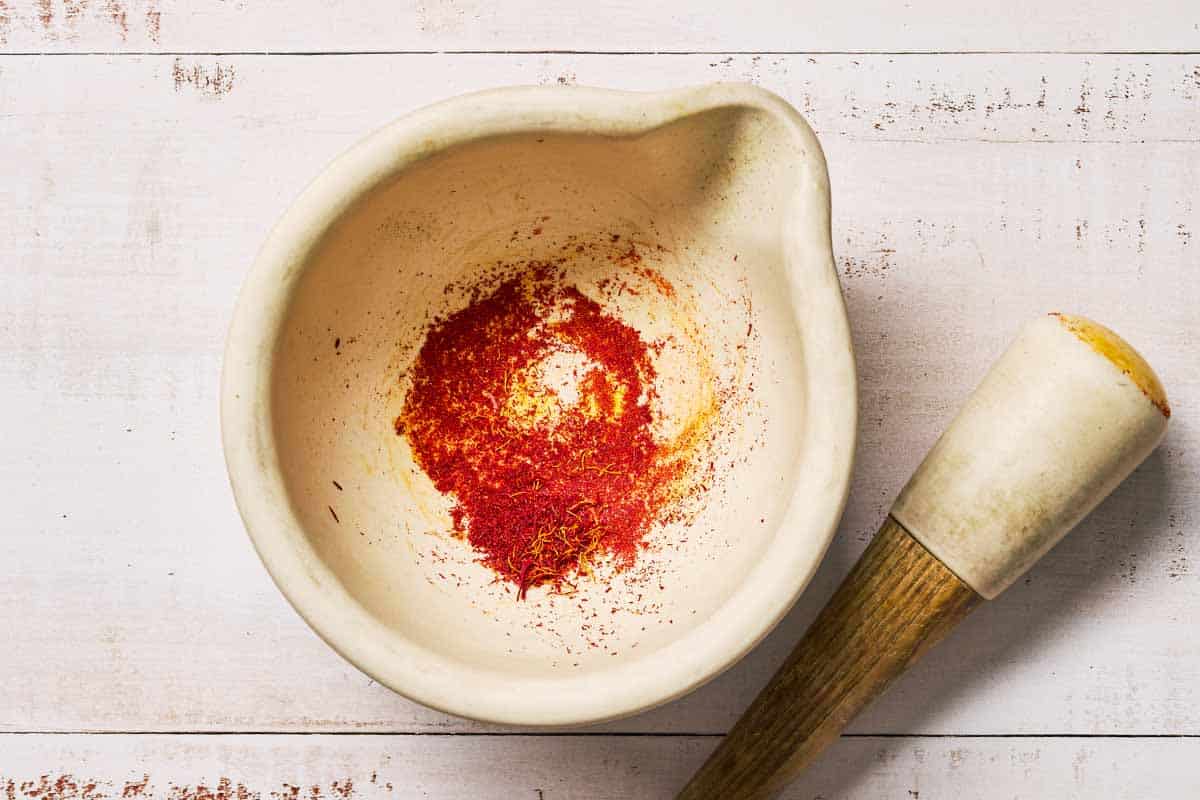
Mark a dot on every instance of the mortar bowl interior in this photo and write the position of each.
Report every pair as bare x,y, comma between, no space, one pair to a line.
700,218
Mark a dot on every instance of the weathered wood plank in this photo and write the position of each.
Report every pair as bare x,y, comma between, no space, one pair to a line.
602,25
138,189
646,767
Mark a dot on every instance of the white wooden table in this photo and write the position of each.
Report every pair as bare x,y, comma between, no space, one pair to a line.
988,164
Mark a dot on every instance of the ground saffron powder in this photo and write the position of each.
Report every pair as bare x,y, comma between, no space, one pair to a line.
532,409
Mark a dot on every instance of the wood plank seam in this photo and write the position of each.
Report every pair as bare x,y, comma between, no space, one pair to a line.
285,53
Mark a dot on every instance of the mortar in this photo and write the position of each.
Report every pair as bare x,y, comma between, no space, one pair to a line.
720,193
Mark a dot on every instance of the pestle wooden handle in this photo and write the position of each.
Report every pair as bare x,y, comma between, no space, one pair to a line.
1067,412
895,604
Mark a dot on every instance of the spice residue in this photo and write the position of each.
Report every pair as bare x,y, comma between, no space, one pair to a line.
534,409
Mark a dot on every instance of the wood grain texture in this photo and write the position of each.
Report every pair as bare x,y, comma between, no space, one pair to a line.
532,767
138,198
970,192
896,603
601,25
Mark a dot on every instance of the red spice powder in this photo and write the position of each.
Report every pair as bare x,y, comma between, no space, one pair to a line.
531,407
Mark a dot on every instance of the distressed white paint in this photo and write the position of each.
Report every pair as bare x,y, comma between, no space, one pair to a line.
595,768
138,188
599,25
140,202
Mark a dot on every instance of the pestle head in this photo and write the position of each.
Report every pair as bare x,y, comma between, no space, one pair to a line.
1065,414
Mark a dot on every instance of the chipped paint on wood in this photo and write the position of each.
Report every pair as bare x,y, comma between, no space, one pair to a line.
529,767
68,786
703,26
982,225
117,15
153,22
215,80
64,25
953,220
